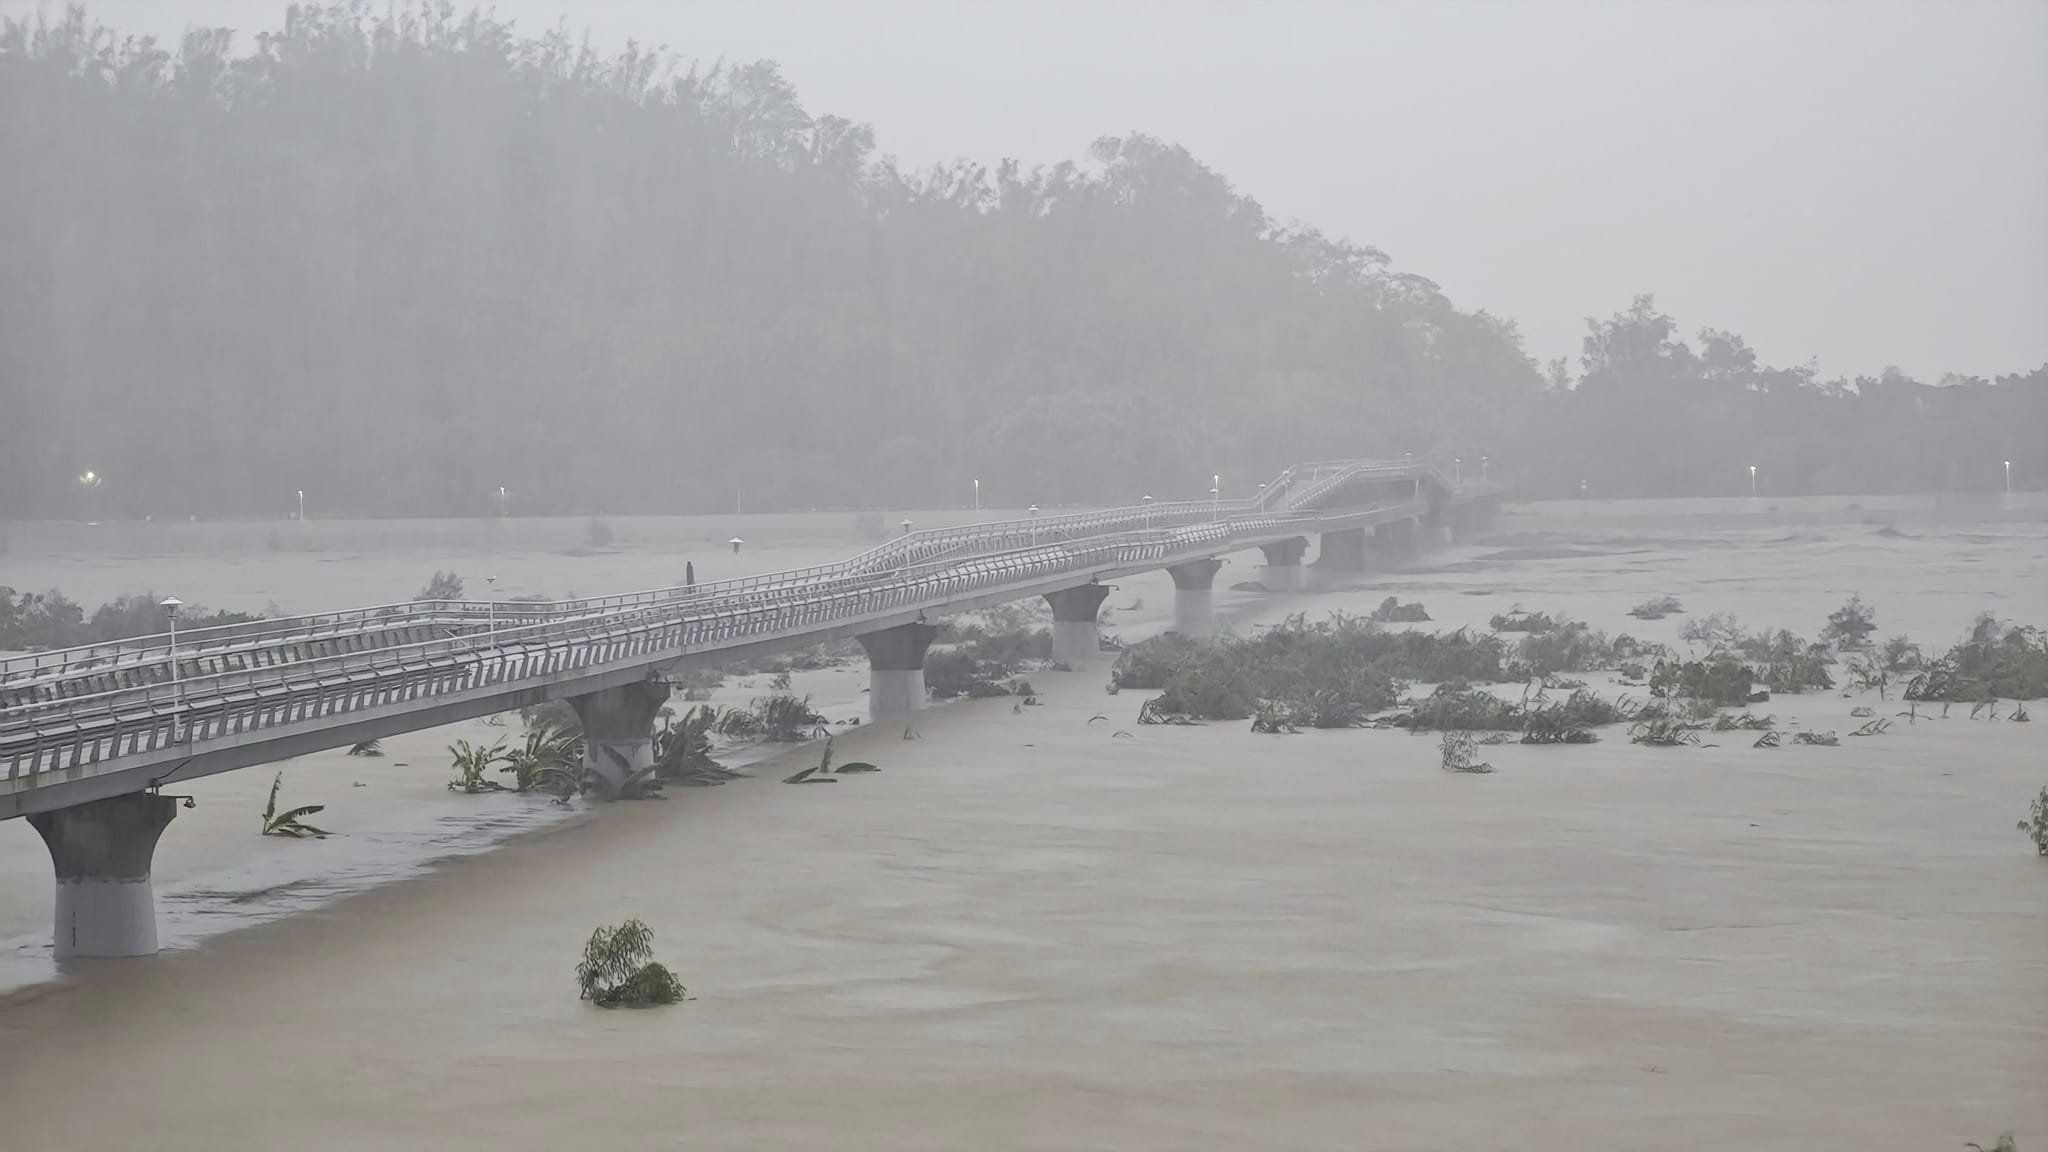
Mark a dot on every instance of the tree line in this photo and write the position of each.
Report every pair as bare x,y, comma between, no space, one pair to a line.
401,257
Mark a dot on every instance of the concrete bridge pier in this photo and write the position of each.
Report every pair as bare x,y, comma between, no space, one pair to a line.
896,668
1283,571
1076,634
102,850
1194,598
618,736
1400,538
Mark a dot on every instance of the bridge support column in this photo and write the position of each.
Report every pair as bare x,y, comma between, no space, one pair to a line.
1343,551
1283,571
102,852
618,736
1076,636
1194,598
896,668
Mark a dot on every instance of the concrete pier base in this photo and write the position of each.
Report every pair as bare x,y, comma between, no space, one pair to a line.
1194,600
106,905
896,669
1342,551
618,737
1282,571
1076,635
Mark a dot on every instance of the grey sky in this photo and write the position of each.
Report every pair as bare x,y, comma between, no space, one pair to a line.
1865,183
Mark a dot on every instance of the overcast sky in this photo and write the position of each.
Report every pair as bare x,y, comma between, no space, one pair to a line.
1865,183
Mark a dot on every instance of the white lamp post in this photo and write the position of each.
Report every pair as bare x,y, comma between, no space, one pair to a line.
735,542
491,602
1482,468
1752,480
2008,477
977,501
906,525
1146,500
1033,513
170,605
1458,471
501,501
302,505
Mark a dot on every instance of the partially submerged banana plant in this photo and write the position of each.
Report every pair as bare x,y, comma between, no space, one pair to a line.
289,823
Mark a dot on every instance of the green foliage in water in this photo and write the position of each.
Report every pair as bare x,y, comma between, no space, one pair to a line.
1517,620
787,719
291,823
441,586
618,969
473,764
682,749
31,621
1657,609
1786,663
1719,682
1392,611
2036,827
1460,707
549,759
1996,662
1850,625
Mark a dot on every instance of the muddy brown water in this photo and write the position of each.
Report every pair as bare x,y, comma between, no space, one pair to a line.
1029,932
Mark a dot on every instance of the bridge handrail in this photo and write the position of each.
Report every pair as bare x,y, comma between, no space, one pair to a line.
190,695
931,543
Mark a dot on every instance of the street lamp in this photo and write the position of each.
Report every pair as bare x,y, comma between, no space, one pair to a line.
1482,468
2008,477
906,525
735,542
302,505
1146,500
1033,513
501,501
170,605
977,501
1752,480
1458,471
491,602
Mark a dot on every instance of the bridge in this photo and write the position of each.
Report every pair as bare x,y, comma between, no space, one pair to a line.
90,735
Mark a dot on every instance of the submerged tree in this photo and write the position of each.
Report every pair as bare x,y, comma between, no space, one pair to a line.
619,970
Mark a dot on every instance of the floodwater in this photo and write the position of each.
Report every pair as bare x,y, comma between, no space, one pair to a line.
1037,930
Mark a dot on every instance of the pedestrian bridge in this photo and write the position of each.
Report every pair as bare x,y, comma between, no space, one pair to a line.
89,735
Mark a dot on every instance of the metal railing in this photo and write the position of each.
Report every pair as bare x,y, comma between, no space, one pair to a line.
280,673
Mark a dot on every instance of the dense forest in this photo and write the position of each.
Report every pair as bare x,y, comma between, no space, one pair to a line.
399,257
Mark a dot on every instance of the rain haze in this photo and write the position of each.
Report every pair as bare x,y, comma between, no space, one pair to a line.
1018,576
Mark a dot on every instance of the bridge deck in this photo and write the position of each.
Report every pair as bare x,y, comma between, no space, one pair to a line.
107,719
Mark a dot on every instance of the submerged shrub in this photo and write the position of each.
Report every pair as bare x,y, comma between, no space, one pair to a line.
1657,609
619,970
1720,682
1850,625
2011,663
1517,620
2037,828
1392,611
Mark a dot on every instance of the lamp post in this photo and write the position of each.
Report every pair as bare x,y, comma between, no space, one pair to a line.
2008,477
170,605
501,501
1752,480
1146,500
302,505
1482,468
977,501
906,525
491,602
1033,513
1458,471
735,542
89,481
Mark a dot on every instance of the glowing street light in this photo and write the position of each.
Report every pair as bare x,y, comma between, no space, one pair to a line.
2008,477
302,505
977,501
1752,480
1482,468
1458,471
501,501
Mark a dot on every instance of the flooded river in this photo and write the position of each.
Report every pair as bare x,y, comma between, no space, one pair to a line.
1031,932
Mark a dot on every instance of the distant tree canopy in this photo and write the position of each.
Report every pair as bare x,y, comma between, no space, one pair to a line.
400,258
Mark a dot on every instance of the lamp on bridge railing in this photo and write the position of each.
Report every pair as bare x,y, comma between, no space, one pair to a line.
977,501
1146,500
501,501
491,602
906,525
1458,471
1752,480
735,542
1482,469
2008,477
1033,512
302,505
170,605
